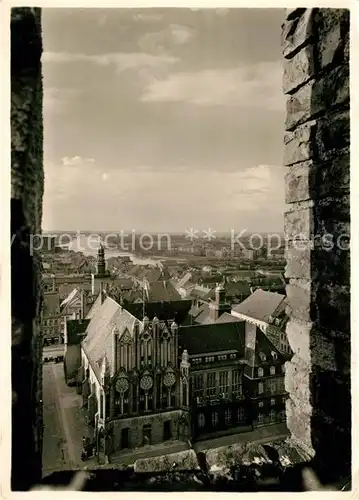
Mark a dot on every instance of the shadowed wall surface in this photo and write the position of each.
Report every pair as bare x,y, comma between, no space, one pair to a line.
317,225
27,182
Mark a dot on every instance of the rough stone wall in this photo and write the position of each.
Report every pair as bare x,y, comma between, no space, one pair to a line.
316,83
26,211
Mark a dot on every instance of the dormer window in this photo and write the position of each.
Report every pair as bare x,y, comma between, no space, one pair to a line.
262,356
272,370
274,355
260,372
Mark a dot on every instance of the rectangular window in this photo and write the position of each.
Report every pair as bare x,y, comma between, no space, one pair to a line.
260,418
223,384
260,404
236,383
260,388
214,419
240,414
272,386
198,386
272,402
272,416
211,384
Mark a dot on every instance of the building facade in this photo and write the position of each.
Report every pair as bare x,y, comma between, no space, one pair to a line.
51,320
236,379
132,384
145,382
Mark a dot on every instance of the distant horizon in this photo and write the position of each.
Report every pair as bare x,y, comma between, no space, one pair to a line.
139,232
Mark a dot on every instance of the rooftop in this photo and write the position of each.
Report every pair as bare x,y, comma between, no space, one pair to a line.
260,305
210,338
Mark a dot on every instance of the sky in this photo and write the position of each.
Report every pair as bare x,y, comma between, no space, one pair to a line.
163,119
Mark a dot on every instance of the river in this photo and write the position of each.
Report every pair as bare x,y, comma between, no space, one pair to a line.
89,246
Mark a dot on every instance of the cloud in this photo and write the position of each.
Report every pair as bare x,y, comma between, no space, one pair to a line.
213,199
181,34
167,38
139,16
68,161
122,60
258,85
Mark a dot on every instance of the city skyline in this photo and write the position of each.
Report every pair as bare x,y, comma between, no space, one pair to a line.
150,123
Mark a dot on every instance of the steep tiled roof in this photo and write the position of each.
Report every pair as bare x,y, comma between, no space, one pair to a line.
265,346
260,305
198,314
95,307
98,341
176,310
203,317
162,291
200,339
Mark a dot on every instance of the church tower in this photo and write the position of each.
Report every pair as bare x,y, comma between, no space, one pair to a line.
101,263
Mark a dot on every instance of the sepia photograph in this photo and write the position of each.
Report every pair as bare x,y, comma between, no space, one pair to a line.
180,249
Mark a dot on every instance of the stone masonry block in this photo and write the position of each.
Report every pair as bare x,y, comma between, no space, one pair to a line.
332,135
331,178
317,96
299,145
332,89
298,70
333,307
331,265
333,214
297,182
299,224
332,26
299,106
297,378
296,32
299,425
299,295
298,257
322,351
298,334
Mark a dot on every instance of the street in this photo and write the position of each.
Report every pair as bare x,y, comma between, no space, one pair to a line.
64,424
